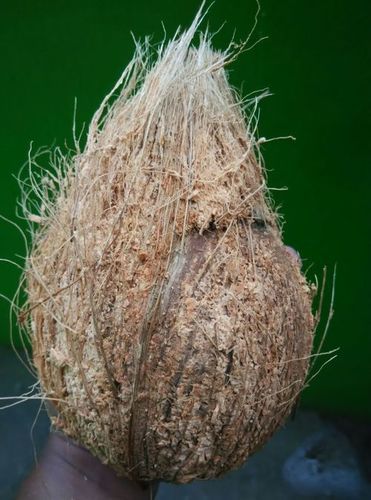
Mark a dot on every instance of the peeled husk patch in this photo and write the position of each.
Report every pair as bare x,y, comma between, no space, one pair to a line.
170,326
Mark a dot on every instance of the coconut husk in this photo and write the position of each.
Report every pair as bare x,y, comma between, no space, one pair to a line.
169,323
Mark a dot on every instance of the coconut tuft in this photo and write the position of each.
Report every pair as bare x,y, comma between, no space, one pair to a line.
169,324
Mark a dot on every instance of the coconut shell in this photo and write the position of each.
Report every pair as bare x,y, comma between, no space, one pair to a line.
170,325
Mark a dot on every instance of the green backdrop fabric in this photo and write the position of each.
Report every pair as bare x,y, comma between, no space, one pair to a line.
316,62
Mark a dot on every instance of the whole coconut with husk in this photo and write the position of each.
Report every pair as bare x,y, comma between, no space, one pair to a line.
170,325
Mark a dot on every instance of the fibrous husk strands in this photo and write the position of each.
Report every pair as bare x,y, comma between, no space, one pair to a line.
168,321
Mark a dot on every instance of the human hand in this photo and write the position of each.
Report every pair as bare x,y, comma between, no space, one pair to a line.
67,471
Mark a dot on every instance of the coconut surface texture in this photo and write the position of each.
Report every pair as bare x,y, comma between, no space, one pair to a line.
170,326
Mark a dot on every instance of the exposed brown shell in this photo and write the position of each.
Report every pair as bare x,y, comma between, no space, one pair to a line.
167,318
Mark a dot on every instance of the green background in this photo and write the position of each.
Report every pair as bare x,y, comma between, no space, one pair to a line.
316,62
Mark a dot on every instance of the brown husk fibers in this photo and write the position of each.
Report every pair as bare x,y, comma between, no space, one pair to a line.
170,326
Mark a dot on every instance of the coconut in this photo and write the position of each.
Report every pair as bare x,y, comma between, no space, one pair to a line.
170,325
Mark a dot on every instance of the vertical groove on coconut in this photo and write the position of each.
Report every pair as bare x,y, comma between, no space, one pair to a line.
168,320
